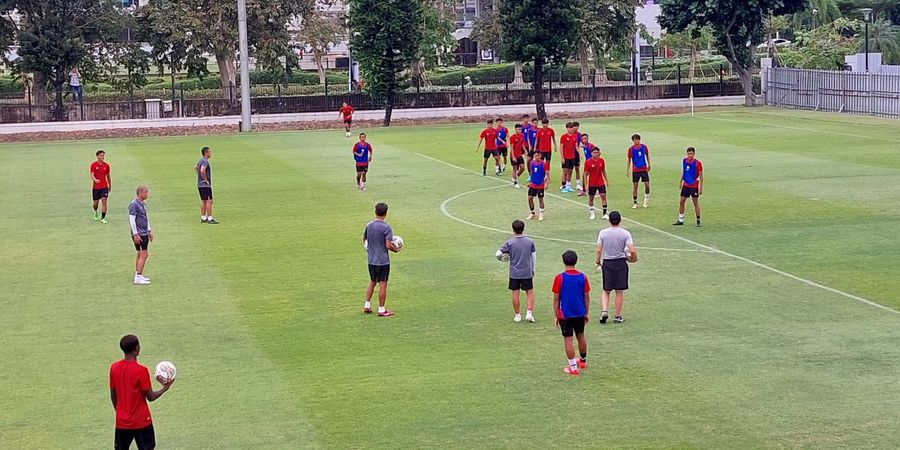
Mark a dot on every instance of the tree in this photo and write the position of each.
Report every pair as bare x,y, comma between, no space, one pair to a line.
488,32
437,40
606,26
737,25
822,48
817,13
168,26
319,32
55,36
692,39
386,37
541,32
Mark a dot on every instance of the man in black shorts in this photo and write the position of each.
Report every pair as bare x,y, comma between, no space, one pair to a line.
204,185
571,302
141,234
522,256
378,241
615,249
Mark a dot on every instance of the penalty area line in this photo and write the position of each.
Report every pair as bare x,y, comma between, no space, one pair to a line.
760,265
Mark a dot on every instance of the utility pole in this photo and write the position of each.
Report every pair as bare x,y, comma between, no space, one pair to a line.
245,66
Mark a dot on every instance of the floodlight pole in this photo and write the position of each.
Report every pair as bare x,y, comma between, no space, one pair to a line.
867,14
245,66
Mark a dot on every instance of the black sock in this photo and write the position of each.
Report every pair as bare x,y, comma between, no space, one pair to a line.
604,210
104,216
584,356
635,199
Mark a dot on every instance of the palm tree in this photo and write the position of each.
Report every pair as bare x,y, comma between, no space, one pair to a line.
817,14
884,37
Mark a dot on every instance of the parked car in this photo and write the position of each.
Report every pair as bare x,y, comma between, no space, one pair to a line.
778,42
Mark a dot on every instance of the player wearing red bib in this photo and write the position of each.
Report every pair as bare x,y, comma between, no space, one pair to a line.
595,177
540,179
691,185
517,159
102,184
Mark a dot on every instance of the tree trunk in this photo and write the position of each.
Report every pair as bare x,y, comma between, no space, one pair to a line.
58,83
517,74
317,57
539,89
585,64
39,89
747,84
227,72
388,109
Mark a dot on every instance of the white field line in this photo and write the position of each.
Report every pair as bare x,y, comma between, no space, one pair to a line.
788,127
449,215
711,249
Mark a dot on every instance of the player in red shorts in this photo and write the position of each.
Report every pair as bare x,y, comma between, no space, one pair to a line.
691,185
488,137
595,178
346,112
362,155
102,184
517,158
571,302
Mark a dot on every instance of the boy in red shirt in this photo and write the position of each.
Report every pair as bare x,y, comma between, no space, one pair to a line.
130,390
517,143
488,136
595,177
346,112
102,184
545,140
571,301
569,144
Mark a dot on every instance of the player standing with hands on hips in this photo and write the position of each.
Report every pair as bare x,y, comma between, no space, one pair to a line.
615,249
141,234
204,186
129,391
522,256
691,185
378,239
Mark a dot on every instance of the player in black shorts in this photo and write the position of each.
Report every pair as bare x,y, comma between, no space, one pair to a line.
571,302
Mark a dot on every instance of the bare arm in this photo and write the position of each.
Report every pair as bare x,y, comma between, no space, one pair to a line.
599,259
605,178
628,166
152,395
587,305
390,246
700,184
108,182
633,251
478,147
93,178
112,397
555,309
203,174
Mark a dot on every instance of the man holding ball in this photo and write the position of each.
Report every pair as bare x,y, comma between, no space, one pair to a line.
615,249
378,239
129,391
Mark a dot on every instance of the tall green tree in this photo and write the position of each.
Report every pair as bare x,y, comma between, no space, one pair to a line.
385,38
606,26
737,25
542,32
56,35
320,31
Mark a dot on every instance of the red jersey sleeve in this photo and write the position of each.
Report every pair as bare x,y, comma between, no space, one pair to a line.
587,284
699,166
629,152
546,167
557,282
484,134
145,380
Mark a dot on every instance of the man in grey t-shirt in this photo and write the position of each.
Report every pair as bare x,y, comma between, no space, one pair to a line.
615,249
378,241
141,233
522,258
204,185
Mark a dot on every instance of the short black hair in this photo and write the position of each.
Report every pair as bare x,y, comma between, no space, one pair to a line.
129,343
691,150
570,258
518,226
204,150
526,116
381,209
585,135
362,134
635,136
499,119
615,218
576,124
545,121
568,124
490,121
99,152
518,126
534,119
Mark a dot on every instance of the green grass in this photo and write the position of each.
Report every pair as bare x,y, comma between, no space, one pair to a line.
261,314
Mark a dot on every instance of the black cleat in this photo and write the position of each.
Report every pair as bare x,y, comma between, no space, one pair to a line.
202,220
212,222
678,223
618,319
604,317
699,224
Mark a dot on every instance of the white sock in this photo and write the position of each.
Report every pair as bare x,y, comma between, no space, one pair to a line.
592,209
381,309
528,313
647,196
202,217
518,316
573,364
542,210
681,217
209,218
368,305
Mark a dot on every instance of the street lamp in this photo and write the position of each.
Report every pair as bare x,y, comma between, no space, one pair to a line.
867,14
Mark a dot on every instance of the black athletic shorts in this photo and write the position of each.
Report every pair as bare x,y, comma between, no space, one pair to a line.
577,159
535,192
490,154
571,326
145,242
348,121
523,284
379,273
360,169
594,190
520,161
97,194
503,151
690,192
205,193
569,163
546,156
640,176
145,438
529,153
615,275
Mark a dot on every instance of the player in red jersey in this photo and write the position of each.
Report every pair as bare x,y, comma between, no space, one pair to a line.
545,141
517,159
595,178
691,184
129,391
488,137
571,302
540,179
346,112
102,184
569,144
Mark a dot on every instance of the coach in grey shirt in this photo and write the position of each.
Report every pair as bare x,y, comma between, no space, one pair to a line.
522,259
615,249
141,233
378,240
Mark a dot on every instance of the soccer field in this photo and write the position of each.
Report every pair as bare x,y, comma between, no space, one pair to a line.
774,325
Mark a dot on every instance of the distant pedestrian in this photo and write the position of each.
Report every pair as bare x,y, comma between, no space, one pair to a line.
615,249
75,85
522,260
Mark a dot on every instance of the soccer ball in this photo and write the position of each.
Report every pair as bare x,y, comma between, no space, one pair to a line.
348,134
502,257
165,372
398,242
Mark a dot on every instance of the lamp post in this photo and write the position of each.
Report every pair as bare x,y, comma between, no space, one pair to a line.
867,14
245,66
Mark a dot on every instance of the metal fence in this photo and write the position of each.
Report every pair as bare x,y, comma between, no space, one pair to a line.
876,94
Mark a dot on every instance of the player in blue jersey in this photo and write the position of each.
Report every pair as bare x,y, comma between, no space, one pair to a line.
362,154
530,140
502,143
539,171
691,185
638,167
571,302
